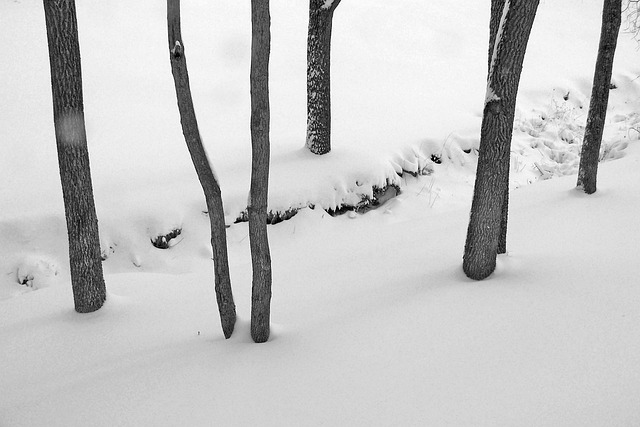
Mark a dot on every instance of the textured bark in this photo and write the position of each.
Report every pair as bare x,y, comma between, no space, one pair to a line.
319,76
260,117
492,176
590,156
504,218
496,13
87,279
494,21
210,186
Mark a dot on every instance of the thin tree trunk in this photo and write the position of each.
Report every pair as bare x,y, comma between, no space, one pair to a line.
319,76
87,280
590,156
492,176
260,117
213,196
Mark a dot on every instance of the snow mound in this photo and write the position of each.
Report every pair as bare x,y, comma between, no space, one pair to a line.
36,271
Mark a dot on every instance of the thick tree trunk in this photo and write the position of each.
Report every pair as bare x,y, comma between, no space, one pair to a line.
497,6
492,176
87,279
319,76
590,156
208,181
260,117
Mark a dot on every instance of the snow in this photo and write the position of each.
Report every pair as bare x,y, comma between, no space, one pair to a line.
327,4
373,321
491,95
177,46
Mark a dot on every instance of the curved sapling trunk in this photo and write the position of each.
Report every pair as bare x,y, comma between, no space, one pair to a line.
210,186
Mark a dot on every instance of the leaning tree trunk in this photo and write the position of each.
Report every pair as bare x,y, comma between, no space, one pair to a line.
588,169
205,173
319,75
87,280
497,6
260,116
492,176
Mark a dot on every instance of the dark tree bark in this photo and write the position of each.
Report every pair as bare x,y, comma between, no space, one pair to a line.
497,6
504,218
260,117
492,176
87,280
588,169
206,176
319,75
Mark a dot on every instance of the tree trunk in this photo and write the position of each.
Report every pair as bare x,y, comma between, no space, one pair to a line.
497,6
588,169
213,196
492,176
87,280
319,76
260,117
504,218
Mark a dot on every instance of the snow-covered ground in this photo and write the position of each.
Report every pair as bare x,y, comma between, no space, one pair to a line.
374,322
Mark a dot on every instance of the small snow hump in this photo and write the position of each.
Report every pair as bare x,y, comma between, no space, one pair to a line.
36,271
